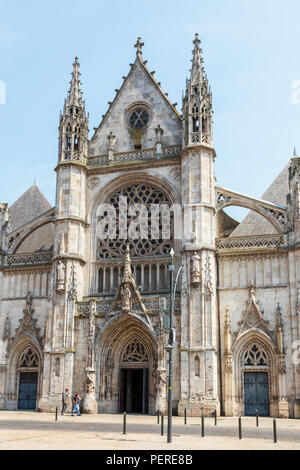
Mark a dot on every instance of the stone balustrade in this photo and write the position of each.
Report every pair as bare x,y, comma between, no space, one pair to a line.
172,151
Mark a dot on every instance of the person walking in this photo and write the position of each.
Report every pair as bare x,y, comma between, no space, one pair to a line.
64,398
76,402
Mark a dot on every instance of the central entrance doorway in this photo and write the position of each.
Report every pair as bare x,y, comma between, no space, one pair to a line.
256,386
134,390
27,390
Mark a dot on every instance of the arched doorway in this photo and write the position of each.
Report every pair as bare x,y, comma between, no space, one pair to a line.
27,371
255,379
134,378
126,361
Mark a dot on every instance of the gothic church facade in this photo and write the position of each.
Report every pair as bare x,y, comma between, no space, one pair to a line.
90,313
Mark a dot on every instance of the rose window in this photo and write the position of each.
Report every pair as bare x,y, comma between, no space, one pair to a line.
143,211
138,118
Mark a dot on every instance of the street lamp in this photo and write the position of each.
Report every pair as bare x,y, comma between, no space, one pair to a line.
171,339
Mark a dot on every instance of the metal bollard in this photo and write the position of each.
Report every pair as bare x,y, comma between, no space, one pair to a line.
256,417
124,422
240,427
215,417
157,417
202,424
274,430
162,425
56,411
184,415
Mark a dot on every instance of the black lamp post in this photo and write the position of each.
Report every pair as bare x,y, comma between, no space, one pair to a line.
169,347
171,340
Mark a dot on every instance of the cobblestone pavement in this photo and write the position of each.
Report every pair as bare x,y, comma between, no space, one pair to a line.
29,430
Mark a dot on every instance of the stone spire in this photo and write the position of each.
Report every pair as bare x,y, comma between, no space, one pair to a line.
75,93
197,103
73,128
197,70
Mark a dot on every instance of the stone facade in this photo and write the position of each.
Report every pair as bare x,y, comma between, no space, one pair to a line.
90,314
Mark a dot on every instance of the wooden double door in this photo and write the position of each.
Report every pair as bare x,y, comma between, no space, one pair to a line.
28,382
256,393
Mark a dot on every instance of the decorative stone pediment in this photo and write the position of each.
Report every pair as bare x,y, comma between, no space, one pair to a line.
128,298
252,317
27,324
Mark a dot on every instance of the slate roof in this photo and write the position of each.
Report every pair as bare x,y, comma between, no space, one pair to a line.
31,204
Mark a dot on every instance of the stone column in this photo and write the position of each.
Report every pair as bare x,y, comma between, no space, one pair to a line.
89,402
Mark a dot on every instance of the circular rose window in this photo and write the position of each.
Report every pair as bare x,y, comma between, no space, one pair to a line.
138,118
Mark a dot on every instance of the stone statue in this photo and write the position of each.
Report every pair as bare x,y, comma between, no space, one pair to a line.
6,331
125,293
160,402
196,268
108,384
60,276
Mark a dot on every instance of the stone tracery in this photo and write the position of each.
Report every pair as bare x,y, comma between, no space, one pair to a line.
145,195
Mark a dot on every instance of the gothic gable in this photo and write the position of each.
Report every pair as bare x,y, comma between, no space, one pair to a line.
27,324
128,299
252,317
139,89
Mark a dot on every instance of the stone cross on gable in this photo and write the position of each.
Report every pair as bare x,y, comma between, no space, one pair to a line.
139,46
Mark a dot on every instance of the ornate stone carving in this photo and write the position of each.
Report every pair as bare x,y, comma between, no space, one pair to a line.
160,385
125,293
27,324
29,258
171,151
128,299
93,183
6,329
72,288
176,174
252,318
246,242
196,268
60,276
108,384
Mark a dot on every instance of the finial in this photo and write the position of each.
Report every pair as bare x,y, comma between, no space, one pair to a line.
196,40
139,46
295,153
34,182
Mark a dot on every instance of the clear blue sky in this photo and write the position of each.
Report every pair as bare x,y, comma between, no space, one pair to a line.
251,52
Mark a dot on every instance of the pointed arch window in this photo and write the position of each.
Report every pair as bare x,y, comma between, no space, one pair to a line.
195,109
69,142
255,355
76,142
195,124
29,358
